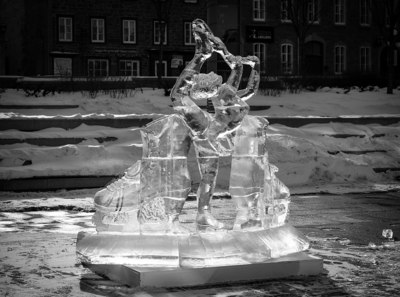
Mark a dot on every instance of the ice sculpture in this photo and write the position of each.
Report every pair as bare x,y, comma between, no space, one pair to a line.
137,216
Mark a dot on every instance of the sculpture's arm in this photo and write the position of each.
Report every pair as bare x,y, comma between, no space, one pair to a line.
254,78
234,62
196,119
184,82
237,70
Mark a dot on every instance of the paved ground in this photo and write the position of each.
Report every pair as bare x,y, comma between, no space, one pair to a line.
38,235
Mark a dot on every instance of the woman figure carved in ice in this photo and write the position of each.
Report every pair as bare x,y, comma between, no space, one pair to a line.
150,196
230,131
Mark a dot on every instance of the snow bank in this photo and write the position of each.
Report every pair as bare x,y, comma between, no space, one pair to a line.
324,102
306,156
315,156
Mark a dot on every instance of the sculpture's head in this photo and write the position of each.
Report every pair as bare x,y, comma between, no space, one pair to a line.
205,85
200,28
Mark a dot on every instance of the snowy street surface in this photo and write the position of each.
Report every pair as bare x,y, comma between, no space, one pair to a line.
38,235
38,229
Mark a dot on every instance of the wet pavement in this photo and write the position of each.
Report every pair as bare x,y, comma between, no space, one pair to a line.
38,236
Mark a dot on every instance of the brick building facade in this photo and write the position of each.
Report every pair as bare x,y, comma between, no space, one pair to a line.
98,37
343,38
122,37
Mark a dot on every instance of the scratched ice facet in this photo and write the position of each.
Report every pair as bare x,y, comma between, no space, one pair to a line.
138,215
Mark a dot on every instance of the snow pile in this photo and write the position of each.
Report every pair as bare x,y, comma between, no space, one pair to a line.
314,157
89,157
325,102
311,156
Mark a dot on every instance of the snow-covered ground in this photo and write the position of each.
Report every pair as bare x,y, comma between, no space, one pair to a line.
332,157
324,102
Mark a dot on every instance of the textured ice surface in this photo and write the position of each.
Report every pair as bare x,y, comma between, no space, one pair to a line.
137,216
193,250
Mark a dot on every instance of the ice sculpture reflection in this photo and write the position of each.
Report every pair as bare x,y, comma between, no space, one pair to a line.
137,216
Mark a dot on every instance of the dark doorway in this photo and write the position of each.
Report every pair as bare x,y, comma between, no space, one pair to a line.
313,53
384,62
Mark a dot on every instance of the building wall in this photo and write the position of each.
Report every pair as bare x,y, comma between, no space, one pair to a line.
352,35
12,15
143,11
31,38
36,38
25,38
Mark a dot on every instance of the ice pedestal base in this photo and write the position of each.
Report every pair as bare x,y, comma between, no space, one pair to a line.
298,264
224,248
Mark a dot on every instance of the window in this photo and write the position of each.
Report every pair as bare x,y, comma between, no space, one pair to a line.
190,1
287,58
365,59
259,10
340,14
340,59
157,30
313,11
64,29
97,30
189,39
98,67
365,15
259,50
163,69
285,17
129,67
387,18
129,31
62,66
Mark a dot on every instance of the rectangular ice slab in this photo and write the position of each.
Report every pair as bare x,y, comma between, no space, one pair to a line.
192,250
292,265
133,249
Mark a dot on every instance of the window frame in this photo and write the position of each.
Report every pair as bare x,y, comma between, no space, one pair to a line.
259,13
313,11
284,11
340,60
94,70
339,12
186,32
97,31
165,33
123,31
365,60
289,58
59,73
137,66
259,54
365,13
165,64
65,33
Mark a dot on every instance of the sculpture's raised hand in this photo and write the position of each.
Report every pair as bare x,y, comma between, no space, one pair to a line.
250,60
202,33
